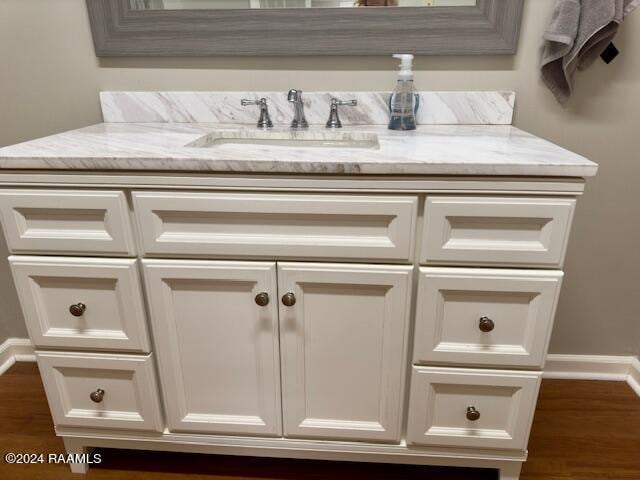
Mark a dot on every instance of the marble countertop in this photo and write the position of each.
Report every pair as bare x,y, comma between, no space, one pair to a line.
430,150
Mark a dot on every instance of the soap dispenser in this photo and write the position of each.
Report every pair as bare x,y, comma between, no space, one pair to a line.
404,101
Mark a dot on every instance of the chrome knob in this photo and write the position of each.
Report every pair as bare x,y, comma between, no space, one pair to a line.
262,299
289,299
97,396
473,414
78,309
486,325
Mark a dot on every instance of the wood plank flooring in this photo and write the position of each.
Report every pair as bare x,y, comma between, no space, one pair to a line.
583,430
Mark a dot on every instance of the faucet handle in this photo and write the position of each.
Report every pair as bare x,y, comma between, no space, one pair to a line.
349,103
260,101
265,119
334,118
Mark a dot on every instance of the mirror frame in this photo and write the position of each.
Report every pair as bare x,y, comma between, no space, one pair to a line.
491,27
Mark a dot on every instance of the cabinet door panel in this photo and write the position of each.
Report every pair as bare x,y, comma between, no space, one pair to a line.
217,349
343,349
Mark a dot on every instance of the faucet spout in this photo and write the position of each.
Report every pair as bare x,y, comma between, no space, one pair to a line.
299,121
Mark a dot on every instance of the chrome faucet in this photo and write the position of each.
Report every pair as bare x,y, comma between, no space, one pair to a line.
334,117
265,119
299,121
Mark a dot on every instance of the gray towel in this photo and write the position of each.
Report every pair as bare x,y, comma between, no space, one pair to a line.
578,33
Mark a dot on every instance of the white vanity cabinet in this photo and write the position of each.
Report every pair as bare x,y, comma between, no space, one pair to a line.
397,320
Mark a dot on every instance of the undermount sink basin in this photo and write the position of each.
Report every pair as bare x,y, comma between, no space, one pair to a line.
288,138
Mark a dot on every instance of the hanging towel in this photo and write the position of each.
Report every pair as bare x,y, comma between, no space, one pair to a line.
579,31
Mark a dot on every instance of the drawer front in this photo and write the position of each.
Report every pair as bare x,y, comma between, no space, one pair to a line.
101,390
84,303
471,408
496,230
276,225
485,316
75,222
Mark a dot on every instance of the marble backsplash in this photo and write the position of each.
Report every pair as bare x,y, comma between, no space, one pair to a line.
436,108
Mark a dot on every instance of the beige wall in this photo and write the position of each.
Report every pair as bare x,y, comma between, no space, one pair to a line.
50,79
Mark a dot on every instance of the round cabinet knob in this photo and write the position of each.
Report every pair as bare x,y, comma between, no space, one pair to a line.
486,325
262,299
473,414
289,299
97,396
78,309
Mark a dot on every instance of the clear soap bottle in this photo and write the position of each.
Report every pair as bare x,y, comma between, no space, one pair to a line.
404,101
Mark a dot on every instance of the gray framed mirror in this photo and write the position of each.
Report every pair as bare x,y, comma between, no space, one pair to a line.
304,27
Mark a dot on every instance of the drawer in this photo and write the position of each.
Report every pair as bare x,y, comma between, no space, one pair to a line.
83,303
496,230
276,225
485,316
75,222
471,408
101,390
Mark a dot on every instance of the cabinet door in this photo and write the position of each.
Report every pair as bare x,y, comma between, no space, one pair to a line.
343,333
217,348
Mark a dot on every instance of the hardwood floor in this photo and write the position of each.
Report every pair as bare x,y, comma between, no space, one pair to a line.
583,430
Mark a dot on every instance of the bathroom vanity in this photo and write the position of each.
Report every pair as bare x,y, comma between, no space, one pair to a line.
191,283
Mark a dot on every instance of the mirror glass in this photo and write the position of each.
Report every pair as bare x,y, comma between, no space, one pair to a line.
246,4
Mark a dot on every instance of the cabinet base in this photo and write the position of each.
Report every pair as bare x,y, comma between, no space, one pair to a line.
508,463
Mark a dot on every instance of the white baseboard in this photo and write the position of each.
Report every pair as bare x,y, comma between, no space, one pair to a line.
588,367
567,367
15,350
634,376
